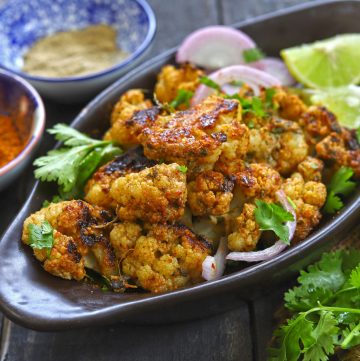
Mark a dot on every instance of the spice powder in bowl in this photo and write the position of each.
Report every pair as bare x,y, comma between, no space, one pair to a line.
12,140
74,53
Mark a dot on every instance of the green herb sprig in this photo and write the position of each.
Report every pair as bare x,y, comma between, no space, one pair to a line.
253,54
340,184
42,236
183,97
325,309
272,217
73,164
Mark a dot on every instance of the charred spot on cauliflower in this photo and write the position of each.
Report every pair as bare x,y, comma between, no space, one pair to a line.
259,180
130,115
77,237
334,148
156,194
97,190
168,257
198,136
210,194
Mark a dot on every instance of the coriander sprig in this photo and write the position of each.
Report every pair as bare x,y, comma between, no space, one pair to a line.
325,308
340,184
71,165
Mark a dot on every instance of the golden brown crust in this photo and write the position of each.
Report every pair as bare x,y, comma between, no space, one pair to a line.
308,197
246,231
194,137
156,194
171,80
97,190
289,106
78,222
130,115
335,149
259,180
210,194
167,258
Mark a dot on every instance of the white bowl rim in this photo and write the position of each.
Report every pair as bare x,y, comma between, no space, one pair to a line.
38,125
127,61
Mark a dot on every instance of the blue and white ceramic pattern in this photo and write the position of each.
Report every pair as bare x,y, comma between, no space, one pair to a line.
24,22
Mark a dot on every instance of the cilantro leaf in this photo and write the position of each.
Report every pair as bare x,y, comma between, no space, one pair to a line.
71,165
253,54
55,199
272,217
355,277
325,337
182,168
358,135
328,297
41,236
340,182
333,203
209,83
269,95
183,97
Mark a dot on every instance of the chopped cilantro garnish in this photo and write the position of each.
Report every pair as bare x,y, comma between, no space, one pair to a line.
340,184
210,83
182,168
41,236
55,199
358,135
183,97
236,83
269,94
272,217
325,310
253,54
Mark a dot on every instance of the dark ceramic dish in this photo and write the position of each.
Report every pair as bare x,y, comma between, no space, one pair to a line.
35,299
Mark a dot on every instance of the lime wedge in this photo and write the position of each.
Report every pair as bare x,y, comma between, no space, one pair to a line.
344,102
327,63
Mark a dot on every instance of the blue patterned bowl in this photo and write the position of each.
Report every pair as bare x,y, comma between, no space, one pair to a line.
24,22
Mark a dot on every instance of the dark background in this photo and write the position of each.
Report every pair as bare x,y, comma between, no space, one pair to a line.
237,335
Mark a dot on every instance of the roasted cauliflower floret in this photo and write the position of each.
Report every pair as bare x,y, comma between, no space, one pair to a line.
308,198
64,260
198,136
318,122
172,79
259,180
167,258
79,227
342,153
156,194
97,190
123,238
210,194
262,146
246,231
311,169
130,115
289,106
293,148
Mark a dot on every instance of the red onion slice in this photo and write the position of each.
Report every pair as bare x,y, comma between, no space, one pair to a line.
214,47
278,247
276,68
213,266
250,76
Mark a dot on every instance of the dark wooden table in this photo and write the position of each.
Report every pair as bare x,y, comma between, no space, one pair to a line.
241,334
